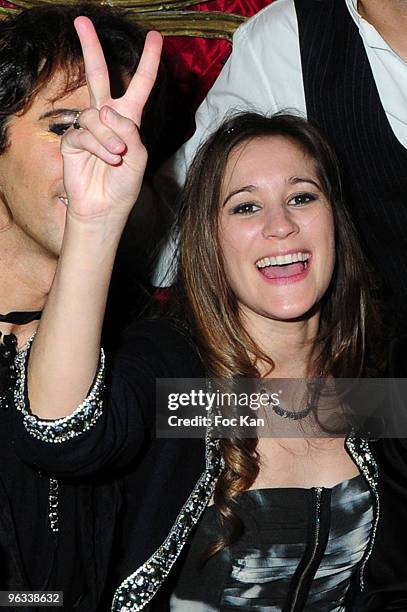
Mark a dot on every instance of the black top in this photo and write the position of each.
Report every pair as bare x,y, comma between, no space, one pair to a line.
298,550
158,475
76,559
32,556
386,575
122,442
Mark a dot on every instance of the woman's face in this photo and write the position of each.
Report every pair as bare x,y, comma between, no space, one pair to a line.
276,229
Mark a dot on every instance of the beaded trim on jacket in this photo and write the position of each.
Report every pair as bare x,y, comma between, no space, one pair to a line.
59,430
137,590
360,452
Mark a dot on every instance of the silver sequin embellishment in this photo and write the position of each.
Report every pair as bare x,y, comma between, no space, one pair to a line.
59,430
53,501
137,590
359,450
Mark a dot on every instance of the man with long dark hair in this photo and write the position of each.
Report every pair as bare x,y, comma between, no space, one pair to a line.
54,535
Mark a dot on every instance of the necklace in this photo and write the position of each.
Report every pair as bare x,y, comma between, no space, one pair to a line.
8,349
20,318
294,415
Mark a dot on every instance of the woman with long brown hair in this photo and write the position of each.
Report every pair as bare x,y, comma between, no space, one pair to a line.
272,285
270,207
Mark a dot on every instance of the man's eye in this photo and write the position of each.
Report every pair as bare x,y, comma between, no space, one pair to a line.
247,208
302,198
59,128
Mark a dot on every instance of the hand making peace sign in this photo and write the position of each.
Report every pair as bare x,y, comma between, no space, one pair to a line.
105,160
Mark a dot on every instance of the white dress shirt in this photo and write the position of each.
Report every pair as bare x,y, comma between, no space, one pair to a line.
264,74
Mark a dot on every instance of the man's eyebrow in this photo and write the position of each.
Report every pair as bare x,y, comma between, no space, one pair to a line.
57,112
294,180
248,188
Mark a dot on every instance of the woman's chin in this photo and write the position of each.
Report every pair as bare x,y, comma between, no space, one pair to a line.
293,311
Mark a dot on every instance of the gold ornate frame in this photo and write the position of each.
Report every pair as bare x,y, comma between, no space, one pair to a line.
170,17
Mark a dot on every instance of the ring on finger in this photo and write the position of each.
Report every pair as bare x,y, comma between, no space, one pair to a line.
75,124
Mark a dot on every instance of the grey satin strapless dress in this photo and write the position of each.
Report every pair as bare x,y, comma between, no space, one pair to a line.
298,551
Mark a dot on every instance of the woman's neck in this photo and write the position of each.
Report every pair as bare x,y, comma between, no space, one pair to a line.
290,344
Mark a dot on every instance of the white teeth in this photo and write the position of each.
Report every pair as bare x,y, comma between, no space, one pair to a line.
64,200
282,260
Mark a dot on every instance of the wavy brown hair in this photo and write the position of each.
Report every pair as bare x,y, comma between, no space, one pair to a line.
211,308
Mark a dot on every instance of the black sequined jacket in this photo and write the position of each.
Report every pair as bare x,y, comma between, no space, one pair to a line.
50,530
167,483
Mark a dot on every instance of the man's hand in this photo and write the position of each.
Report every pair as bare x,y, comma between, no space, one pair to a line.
105,160
104,163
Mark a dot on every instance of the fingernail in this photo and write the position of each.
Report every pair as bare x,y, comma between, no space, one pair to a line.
110,114
115,144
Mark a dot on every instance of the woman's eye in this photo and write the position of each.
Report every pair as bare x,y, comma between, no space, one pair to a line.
247,208
302,198
59,128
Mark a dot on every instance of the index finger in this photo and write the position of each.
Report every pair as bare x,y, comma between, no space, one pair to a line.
144,78
97,74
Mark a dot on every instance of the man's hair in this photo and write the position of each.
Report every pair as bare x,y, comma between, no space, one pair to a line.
37,43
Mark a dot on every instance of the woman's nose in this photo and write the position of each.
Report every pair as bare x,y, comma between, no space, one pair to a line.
279,223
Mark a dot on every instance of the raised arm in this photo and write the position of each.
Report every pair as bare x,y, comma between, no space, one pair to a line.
104,163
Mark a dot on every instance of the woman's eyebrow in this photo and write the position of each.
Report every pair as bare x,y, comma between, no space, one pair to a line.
248,188
294,180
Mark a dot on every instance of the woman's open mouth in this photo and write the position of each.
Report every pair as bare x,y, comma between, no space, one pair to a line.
289,267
